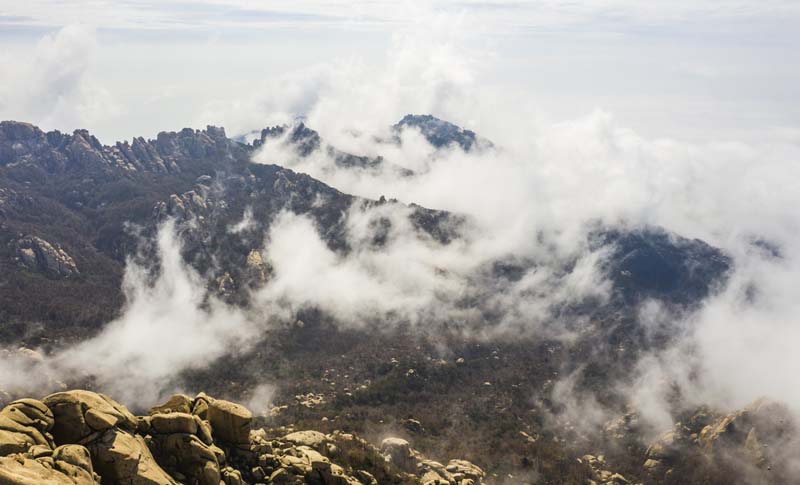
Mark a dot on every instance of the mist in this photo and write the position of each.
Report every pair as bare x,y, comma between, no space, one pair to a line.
168,325
534,197
557,179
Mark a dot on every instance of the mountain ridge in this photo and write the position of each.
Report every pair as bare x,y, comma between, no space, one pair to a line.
74,214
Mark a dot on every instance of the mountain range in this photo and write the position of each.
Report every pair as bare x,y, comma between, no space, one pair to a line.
75,215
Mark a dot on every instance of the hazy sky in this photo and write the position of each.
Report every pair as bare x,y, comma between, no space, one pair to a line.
699,70
679,113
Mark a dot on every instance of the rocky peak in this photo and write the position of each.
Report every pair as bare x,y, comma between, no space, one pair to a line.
304,139
440,133
23,143
18,131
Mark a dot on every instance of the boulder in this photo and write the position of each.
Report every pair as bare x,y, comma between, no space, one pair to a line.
82,415
397,451
230,422
174,423
74,461
23,424
179,403
433,478
466,469
182,442
312,439
188,455
69,465
121,457
232,476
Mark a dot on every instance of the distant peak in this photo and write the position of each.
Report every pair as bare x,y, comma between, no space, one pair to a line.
18,130
441,133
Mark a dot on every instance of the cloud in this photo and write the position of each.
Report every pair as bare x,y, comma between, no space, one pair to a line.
54,87
533,198
396,274
168,325
181,14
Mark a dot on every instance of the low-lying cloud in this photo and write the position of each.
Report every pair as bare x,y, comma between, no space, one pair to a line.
168,325
531,199
535,196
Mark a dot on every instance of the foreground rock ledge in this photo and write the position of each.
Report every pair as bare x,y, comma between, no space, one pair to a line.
85,438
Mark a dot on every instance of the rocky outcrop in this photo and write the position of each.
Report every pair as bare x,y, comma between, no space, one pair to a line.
601,475
304,141
36,254
84,438
108,430
65,465
441,134
757,442
28,454
23,424
56,152
256,267
398,452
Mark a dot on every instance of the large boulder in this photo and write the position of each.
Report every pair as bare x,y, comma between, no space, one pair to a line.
124,458
25,423
178,403
81,416
182,443
107,429
230,422
174,423
397,451
188,455
66,465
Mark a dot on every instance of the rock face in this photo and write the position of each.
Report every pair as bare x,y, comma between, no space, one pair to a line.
84,438
23,424
440,133
107,429
753,445
304,141
28,454
65,465
23,143
37,254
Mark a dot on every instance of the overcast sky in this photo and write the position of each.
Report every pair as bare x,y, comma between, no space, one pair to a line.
696,70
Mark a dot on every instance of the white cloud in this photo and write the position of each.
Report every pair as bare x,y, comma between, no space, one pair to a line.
554,178
447,59
54,86
167,326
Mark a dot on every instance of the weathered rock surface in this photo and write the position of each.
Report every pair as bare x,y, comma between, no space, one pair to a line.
37,254
441,134
81,415
756,442
197,441
23,424
66,465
